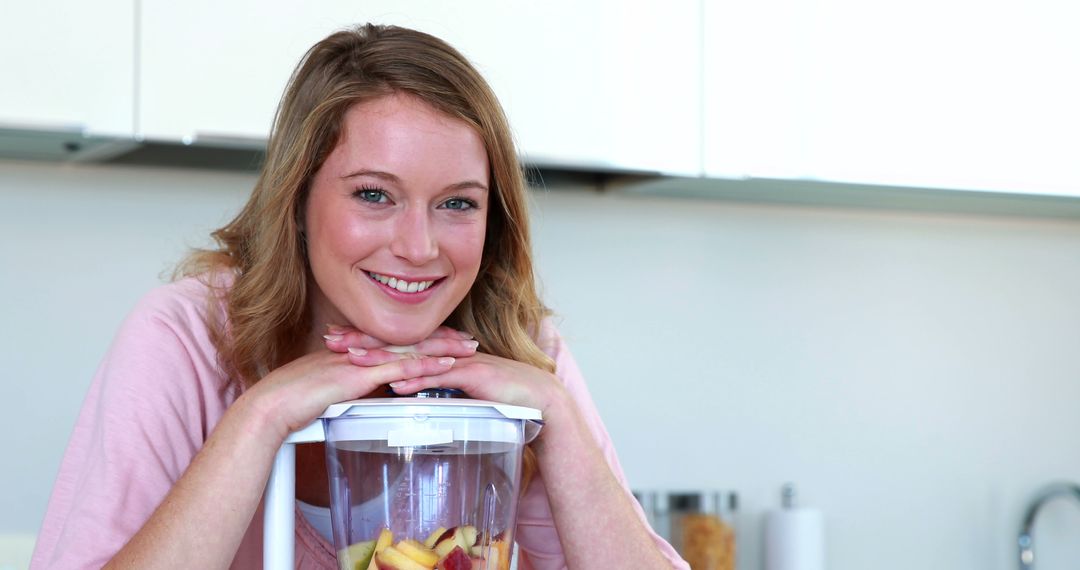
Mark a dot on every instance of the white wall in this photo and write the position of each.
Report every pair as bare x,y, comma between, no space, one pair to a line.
915,375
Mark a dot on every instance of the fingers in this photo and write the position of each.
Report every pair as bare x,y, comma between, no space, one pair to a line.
446,347
430,347
340,338
407,368
473,382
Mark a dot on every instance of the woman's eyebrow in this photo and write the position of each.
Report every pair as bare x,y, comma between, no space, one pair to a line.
376,173
394,179
467,184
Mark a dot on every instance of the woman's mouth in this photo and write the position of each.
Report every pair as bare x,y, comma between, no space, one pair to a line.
400,284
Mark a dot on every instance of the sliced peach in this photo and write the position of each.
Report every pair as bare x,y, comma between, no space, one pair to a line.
393,558
386,538
418,552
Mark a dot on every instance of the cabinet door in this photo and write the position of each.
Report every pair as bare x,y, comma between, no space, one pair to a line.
68,65
963,94
584,84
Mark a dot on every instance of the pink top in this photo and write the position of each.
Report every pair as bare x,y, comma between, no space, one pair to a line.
154,400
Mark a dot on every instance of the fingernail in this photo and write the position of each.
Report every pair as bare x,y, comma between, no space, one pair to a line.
472,344
397,384
333,337
446,360
465,335
335,329
357,351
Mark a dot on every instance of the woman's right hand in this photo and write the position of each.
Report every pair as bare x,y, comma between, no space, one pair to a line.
293,395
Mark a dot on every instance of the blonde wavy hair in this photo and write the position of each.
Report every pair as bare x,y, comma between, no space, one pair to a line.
267,311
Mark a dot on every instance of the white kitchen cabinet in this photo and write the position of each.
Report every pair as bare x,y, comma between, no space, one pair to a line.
68,66
964,94
587,84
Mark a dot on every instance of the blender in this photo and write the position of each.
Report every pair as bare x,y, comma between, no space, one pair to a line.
423,482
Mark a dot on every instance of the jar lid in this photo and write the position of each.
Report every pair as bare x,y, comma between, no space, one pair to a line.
431,407
442,425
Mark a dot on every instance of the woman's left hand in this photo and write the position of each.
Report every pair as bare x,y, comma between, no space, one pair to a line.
488,377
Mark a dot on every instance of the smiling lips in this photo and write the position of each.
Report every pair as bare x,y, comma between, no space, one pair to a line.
400,284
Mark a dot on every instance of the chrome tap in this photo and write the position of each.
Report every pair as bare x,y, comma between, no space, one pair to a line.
1051,491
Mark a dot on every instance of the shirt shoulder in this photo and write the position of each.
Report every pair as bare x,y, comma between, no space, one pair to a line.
183,304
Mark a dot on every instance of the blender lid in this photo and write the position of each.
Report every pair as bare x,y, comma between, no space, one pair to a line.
443,425
441,407
375,418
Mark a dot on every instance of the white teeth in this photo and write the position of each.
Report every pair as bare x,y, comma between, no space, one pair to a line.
401,285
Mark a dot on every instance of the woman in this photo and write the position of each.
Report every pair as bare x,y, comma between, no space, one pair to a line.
390,211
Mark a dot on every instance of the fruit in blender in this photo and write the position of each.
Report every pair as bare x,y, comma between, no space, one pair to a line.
464,536
434,537
418,552
456,560
357,556
386,538
393,559
457,548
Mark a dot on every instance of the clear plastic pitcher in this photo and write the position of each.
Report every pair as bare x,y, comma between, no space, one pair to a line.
426,483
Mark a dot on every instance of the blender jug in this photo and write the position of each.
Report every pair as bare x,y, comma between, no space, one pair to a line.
415,483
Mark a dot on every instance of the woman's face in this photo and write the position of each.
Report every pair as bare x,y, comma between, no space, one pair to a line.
395,220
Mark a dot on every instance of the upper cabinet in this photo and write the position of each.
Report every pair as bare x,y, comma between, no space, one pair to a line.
585,84
68,66
964,94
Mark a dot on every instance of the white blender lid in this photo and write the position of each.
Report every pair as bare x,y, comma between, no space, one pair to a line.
411,422
442,407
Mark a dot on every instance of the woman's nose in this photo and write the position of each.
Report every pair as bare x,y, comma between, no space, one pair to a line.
414,237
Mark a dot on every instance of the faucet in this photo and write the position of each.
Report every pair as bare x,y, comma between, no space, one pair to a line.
1025,541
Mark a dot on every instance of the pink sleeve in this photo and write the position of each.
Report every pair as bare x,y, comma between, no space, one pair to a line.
536,535
153,400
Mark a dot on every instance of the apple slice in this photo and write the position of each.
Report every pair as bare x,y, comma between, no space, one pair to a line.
386,538
445,543
418,552
394,559
472,536
456,559
357,556
453,537
434,537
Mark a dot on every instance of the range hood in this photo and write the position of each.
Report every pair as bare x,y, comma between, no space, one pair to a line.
60,144
73,145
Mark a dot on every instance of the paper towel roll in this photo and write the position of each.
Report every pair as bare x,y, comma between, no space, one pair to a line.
795,540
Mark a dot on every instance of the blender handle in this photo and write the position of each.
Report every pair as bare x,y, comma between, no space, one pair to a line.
279,510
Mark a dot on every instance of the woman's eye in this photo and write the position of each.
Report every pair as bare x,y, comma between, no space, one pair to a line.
459,204
372,195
